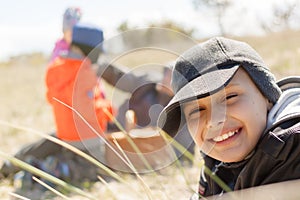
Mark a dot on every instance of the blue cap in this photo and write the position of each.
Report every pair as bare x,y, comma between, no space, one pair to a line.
88,35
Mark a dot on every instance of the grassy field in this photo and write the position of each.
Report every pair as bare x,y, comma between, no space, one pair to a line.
23,104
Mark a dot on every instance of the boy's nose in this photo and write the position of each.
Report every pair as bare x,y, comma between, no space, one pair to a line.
215,124
216,118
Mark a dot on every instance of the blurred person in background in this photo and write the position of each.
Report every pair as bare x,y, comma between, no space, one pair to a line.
148,97
71,16
71,79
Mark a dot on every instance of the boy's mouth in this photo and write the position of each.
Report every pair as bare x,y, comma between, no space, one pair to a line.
225,136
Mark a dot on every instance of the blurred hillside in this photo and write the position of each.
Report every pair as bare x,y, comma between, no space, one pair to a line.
34,59
279,50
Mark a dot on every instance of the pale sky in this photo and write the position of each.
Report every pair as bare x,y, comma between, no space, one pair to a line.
34,26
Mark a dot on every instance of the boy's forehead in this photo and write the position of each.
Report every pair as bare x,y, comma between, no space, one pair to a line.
238,77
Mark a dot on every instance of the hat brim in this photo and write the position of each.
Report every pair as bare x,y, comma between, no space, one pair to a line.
170,119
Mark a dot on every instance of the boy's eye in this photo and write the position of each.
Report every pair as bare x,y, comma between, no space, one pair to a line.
230,96
196,111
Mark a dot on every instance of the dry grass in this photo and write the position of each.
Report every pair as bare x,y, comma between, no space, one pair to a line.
23,102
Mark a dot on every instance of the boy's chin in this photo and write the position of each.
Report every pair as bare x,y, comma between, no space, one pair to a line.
227,158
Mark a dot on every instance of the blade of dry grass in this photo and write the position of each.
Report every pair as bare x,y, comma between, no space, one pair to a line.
68,146
189,155
217,179
128,163
44,175
166,137
84,155
50,188
18,196
182,149
130,141
100,136
107,186
75,150
145,186
177,145
136,149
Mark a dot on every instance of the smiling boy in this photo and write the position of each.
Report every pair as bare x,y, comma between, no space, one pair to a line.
231,136
245,125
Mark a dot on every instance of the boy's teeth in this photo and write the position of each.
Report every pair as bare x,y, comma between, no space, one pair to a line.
224,136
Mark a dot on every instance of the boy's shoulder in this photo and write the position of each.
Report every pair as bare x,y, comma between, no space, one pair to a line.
285,128
289,82
275,159
286,111
274,141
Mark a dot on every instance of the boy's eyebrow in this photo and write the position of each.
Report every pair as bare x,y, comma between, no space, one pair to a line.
232,85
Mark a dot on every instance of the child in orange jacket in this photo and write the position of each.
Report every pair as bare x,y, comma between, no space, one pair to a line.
71,80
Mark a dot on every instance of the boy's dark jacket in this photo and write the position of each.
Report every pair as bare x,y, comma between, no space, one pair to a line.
276,157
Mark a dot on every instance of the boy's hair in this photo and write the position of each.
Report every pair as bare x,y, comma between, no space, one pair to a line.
89,39
207,68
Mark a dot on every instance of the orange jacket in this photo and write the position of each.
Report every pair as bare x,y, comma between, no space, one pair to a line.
73,82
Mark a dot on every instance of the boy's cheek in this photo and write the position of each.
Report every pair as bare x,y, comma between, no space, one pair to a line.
193,126
203,144
197,137
197,133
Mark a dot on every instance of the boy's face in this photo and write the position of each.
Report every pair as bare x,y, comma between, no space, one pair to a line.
228,124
